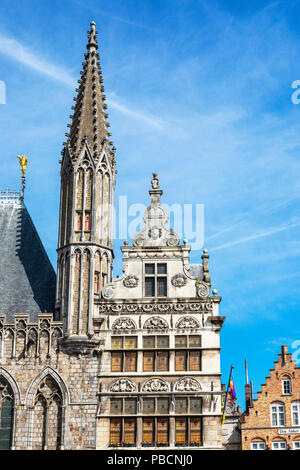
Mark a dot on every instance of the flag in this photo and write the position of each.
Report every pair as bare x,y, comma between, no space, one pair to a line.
232,390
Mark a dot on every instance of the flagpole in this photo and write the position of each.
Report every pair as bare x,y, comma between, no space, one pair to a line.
223,416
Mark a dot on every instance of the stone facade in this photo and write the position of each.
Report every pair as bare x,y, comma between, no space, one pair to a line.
273,420
127,362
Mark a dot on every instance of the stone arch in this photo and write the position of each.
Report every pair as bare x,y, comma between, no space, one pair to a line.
155,385
46,401
14,396
187,322
187,384
29,399
124,323
14,385
156,323
122,385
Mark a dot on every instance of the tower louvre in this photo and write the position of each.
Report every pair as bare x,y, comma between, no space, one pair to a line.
85,243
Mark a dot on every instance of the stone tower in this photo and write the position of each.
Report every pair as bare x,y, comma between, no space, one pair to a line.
85,242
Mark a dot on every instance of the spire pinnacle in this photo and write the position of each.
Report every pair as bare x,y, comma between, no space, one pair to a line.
89,125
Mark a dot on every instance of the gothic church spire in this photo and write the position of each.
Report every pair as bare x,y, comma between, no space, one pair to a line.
89,121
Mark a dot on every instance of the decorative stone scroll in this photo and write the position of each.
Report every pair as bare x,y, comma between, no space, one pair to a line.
124,323
131,281
187,322
123,385
187,384
202,289
156,323
155,385
107,292
179,280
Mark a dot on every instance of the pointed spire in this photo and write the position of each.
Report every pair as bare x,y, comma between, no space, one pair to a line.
89,119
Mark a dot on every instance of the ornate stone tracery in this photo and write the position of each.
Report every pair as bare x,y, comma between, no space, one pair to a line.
155,323
187,384
123,385
155,385
187,322
124,323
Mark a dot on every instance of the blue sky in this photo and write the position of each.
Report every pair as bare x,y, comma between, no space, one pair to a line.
200,92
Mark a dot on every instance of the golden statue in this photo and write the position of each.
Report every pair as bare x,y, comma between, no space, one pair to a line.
23,162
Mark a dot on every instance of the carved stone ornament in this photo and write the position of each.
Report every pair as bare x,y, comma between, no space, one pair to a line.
202,289
155,385
155,323
187,322
179,280
123,385
131,281
155,232
187,384
107,292
124,324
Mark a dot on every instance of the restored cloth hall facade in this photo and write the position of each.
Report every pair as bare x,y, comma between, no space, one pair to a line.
88,361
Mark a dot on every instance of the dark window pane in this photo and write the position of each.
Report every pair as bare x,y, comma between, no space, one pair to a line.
162,268
181,405
148,405
162,405
162,361
195,341
150,268
180,341
162,341
116,406
150,286
161,286
130,406
195,405
149,342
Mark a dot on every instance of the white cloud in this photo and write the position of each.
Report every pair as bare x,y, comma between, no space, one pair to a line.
267,233
16,51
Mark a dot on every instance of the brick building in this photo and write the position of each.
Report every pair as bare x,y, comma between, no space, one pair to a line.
100,362
272,421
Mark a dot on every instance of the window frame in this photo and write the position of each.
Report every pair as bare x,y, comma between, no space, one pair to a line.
279,442
284,382
154,277
297,404
259,443
277,414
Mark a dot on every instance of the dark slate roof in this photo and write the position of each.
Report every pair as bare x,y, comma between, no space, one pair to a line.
27,278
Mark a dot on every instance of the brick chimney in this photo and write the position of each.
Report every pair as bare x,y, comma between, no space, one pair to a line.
284,354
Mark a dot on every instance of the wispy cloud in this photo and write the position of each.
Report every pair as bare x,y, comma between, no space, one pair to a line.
266,233
18,52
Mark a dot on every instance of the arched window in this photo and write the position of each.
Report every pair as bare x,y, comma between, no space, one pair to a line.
6,414
279,445
258,444
47,417
277,414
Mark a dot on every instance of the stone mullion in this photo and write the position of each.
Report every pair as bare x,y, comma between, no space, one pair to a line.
172,431
91,294
80,296
62,427
70,300
74,187
83,205
93,207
